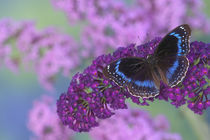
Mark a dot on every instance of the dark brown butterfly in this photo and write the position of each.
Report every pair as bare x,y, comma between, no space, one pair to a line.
168,64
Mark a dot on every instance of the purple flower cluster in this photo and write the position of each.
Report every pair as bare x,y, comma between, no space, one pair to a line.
110,24
48,51
91,96
134,124
194,90
45,124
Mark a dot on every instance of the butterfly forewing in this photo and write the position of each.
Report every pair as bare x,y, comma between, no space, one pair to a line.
122,70
175,43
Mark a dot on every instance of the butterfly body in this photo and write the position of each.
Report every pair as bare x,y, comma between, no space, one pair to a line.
142,76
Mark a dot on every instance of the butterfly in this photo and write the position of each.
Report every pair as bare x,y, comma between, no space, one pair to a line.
169,64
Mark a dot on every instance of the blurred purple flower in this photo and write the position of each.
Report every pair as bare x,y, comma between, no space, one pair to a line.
133,124
45,124
48,51
91,96
110,24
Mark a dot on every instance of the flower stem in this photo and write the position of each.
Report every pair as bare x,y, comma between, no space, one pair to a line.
199,126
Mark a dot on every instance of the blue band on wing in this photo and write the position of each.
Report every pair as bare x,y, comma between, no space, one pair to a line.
179,42
172,69
120,73
146,83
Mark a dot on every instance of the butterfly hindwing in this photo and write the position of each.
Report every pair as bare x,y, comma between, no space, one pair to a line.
175,43
174,69
122,70
144,89
177,71
135,74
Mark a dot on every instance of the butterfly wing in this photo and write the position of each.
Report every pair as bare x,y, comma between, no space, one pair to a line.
135,74
177,70
170,55
175,43
144,88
